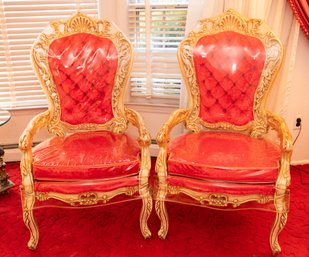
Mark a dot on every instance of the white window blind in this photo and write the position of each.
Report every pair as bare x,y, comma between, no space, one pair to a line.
21,22
156,28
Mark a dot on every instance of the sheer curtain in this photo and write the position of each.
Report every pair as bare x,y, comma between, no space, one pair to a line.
279,16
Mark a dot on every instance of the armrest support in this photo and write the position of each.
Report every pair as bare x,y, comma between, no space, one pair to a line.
279,125
144,142
39,121
137,121
177,117
286,144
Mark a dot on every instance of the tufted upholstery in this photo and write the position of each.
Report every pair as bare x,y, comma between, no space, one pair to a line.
83,67
86,156
221,156
228,67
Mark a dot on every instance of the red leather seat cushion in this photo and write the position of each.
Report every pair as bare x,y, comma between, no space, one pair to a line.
222,187
224,156
86,155
77,187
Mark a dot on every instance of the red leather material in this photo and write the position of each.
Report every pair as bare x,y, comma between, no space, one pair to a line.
227,188
83,67
86,155
228,67
224,156
77,187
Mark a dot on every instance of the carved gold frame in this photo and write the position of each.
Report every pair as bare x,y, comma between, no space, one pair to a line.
79,23
264,121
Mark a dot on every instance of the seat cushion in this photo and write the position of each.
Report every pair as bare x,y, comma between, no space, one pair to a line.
224,156
86,155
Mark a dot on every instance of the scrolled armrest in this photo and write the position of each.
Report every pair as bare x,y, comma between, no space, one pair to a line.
177,117
39,121
280,126
137,121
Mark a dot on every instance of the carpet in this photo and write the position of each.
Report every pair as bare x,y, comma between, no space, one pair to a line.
114,230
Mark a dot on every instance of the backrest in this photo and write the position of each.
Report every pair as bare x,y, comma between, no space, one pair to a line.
83,65
229,63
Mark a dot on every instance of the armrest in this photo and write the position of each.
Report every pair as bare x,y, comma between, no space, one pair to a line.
286,144
137,121
177,117
279,125
39,121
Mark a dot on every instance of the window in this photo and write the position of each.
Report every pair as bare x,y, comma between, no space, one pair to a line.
156,28
21,22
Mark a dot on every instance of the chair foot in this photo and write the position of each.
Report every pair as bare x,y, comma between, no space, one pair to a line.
162,214
32,244
279,223
145,213
33,228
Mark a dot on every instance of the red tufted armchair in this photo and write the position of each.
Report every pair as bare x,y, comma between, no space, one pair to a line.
229,158
83,65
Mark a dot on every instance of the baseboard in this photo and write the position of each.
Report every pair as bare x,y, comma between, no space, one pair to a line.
154,149
300,162
12,155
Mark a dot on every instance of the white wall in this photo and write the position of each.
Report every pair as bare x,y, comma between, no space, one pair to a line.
299,101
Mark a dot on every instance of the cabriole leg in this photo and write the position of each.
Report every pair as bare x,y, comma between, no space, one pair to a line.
281,204
145,213
28,200
161,186
278,225
162,214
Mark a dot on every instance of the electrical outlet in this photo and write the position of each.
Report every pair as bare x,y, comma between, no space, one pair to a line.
298,121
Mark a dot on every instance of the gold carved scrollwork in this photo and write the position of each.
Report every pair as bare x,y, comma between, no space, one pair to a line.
219,199
81,23
231,21
87,198
42,196
131,190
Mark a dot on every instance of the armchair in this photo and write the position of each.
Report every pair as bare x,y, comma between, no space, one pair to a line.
228,159
83,66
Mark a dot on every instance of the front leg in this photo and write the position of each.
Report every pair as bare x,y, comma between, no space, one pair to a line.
145,213
28,199
281,205
163,216
161,193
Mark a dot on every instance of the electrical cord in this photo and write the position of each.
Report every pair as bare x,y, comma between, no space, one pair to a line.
297,134
300,171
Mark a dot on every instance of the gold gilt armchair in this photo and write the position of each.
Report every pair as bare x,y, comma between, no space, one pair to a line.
83,65
225,160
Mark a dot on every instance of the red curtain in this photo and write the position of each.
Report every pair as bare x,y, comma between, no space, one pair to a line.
301,10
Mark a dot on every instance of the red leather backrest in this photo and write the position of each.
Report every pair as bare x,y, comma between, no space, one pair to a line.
228,67
83,67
